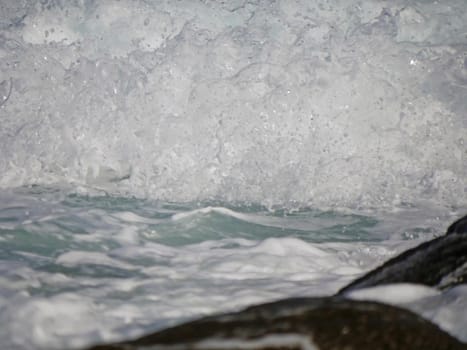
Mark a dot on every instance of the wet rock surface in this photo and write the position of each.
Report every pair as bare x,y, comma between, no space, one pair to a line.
304,323
459,226
440,263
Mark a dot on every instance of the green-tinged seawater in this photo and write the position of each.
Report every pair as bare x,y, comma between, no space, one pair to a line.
43,221
78,269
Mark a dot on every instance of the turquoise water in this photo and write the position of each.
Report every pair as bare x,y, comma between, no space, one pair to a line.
48,224
49,227
79,269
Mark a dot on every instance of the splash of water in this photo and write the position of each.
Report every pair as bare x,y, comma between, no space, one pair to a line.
283,102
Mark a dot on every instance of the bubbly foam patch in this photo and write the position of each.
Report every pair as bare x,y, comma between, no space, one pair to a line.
395,293
283,103
105,296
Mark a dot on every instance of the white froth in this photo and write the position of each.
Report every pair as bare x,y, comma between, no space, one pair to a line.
181,283
208,210
394,293
77,258
269,341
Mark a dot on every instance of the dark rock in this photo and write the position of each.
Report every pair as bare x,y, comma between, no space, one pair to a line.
441,263
303,323
459,226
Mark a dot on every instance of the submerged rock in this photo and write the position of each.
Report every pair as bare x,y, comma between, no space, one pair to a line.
440,263
332,323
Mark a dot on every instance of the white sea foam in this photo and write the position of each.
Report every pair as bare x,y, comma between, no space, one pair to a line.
170,284
76,258
399,293
268,341
208,210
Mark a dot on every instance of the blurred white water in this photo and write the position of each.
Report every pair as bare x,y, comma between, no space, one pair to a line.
320,103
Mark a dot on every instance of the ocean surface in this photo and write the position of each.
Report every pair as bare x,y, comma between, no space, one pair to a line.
165,160
79,269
